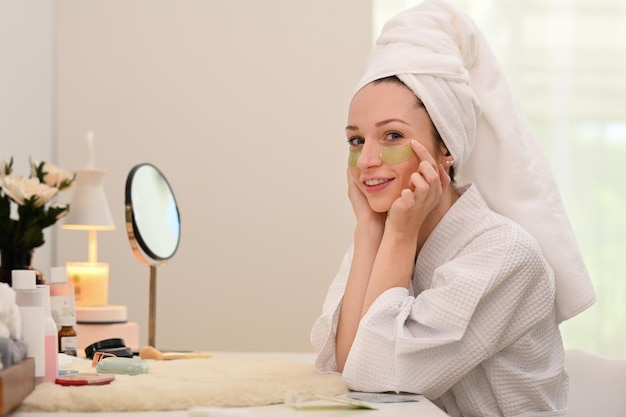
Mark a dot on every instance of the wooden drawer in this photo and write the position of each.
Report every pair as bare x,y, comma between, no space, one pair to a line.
16,382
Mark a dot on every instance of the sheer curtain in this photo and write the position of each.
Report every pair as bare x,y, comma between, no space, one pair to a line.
566,62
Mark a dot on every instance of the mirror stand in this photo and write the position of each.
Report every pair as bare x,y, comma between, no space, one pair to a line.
152,292
152,306
152,225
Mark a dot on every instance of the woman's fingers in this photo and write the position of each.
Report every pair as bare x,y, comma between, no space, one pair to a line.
422,153
360,205
356,196
426,181
433,174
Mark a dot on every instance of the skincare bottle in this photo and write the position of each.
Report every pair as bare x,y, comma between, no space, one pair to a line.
68,340
30,302
50,345
61,292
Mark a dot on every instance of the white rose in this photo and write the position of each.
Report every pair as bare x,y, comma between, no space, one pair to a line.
53,175
20,189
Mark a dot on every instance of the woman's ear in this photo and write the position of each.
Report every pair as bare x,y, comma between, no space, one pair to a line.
448,160
443,150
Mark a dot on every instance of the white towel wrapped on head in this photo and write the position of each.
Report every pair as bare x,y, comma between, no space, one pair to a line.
440,54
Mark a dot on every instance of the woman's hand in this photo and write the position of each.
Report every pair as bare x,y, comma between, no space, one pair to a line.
367,237
429,182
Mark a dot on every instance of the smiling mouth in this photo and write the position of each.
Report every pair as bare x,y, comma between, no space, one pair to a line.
378,181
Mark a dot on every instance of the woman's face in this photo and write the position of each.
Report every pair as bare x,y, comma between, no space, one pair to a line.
386,115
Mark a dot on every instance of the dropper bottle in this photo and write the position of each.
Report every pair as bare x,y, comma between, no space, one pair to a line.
68,340
61,292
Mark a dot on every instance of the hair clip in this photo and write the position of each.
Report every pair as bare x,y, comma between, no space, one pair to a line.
98,356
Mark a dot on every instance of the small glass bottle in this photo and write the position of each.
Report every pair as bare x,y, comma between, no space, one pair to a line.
61,292
68,339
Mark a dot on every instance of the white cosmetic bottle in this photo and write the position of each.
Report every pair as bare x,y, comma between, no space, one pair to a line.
51,338
30,301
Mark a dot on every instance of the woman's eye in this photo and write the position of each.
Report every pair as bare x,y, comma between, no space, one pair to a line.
393,136
355,141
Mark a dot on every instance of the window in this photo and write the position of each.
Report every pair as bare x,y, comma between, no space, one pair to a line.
566,63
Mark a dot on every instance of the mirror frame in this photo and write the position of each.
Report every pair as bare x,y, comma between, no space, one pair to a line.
139,246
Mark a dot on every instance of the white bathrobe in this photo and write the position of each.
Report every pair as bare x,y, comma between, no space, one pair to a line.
477,331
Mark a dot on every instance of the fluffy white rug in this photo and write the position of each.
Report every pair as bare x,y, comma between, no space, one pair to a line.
220,381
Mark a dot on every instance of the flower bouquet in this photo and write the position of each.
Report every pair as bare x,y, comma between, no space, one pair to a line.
26,209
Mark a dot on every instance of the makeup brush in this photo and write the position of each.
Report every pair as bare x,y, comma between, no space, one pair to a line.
148,352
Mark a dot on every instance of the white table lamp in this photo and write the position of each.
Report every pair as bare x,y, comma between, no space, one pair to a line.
89,211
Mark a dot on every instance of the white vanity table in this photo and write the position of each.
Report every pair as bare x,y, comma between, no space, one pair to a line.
414,409
421,408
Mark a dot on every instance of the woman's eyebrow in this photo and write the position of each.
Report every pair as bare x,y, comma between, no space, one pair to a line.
384,122
379,124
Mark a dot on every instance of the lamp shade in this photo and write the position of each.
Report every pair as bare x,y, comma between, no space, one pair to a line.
89,209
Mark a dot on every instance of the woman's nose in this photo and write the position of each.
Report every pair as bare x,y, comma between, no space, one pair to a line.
370,156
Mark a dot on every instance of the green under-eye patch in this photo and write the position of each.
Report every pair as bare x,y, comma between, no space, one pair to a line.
396,155
353,158
387,154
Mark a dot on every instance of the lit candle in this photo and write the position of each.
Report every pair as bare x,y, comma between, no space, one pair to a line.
91,282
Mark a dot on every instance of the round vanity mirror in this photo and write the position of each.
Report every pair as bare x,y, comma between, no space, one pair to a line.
153,225
154,228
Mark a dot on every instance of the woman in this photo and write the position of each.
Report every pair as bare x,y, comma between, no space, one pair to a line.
451,291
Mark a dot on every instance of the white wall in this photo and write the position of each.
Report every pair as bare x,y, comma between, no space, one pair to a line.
242,105
27,86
